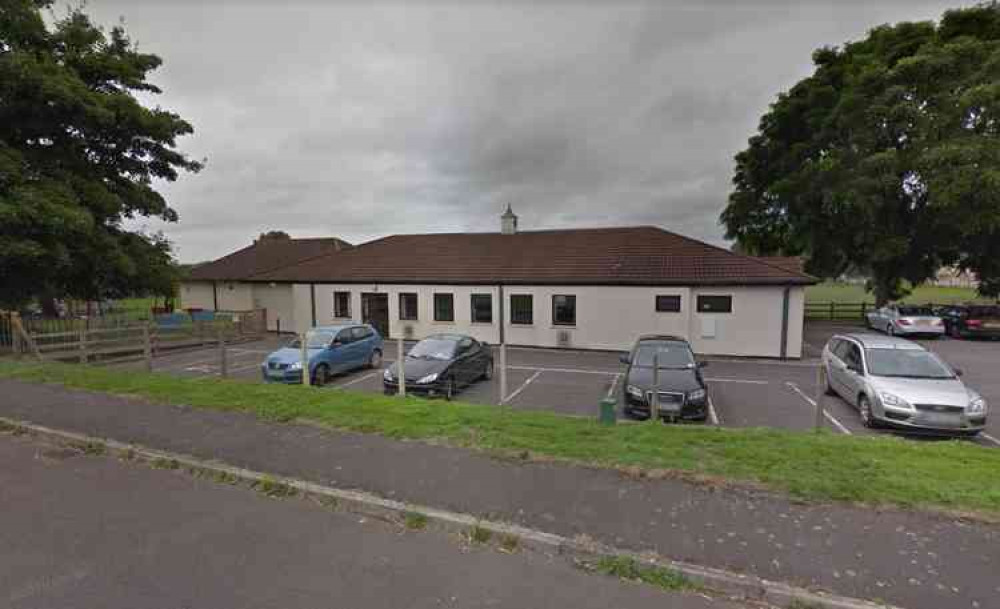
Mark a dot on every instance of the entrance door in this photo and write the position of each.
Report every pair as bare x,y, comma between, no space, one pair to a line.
375,311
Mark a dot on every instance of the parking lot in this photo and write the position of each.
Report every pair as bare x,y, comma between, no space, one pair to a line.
743,392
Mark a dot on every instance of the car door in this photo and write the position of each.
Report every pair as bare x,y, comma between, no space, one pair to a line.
478,360
340,358
364,337
463,361
853,373
837,370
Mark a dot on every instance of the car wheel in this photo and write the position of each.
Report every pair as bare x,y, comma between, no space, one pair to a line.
488,371
954,332
321,376
449,390
375,359
865,409
890,330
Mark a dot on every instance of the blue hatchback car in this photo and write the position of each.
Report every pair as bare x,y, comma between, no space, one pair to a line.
332,350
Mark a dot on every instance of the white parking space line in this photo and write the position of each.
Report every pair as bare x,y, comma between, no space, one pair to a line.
712,415
763,362
826,413
748,381
987,436
570,370
357,380
524,386
614,383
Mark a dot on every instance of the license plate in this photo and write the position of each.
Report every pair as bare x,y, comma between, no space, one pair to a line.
276,374
923,322
944,420
992,325
670,408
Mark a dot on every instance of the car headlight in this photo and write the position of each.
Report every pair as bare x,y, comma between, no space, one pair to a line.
430,378
295,366
387,375
634,392
977,406
696,395
889,399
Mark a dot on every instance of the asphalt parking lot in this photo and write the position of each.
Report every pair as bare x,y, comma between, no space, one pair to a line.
743,392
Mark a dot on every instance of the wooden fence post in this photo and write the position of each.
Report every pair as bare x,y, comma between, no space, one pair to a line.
833,307
83,345
15,336
147,347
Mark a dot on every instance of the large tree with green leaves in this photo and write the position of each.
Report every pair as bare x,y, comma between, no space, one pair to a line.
885,159
79,156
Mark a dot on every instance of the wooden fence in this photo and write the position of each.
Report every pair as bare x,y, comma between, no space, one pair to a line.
850,311
111,341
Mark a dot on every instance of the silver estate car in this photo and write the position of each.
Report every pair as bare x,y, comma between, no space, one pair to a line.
896,382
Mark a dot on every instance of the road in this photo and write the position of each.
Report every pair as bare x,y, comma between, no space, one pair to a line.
91,531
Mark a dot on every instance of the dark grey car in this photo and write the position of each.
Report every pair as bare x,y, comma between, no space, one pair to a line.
681,390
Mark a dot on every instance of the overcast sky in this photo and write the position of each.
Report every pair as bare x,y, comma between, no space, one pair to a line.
358,121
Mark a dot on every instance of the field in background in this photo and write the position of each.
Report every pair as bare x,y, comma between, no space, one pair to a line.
851,293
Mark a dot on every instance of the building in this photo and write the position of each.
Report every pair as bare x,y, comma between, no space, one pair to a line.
229,284
578,288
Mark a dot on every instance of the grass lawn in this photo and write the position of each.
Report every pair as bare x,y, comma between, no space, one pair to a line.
850,293
816,466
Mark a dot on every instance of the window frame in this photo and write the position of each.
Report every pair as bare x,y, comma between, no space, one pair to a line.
699,298
339,293
472,307
570,298
451,300
531,310
416,306
668,310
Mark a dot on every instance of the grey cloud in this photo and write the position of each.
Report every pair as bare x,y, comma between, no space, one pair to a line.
363,120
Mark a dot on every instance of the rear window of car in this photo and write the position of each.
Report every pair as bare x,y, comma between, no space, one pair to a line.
984,311
915,311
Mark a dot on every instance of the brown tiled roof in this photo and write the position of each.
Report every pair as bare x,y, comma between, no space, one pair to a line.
642,255
790,263
266,254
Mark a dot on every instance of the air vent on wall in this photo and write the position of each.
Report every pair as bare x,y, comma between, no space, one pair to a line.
564,338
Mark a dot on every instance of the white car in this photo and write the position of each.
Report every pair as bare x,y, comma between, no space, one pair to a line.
905,320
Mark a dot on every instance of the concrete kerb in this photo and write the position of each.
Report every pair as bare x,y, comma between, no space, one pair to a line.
739,586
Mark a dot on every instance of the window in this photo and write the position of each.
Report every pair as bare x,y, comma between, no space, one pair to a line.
715,304
444,307
408,306
341,304
853,358
564,310
360,333
668,304
482,308
522,309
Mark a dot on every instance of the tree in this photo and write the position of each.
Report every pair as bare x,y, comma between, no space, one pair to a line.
78,157
886,158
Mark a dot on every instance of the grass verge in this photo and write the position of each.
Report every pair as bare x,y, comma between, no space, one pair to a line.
630,569
956,476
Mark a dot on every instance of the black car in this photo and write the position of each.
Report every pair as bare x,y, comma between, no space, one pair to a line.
682,391
441,364
968,321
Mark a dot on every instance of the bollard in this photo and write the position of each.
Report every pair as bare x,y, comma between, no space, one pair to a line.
303,340
607,414
654,402
147,348
223,362
400,371
820,394
503,373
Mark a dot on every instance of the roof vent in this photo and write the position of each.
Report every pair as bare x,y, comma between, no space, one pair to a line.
508,221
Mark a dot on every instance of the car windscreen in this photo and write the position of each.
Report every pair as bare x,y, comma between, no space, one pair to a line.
915,311
315,340
434,348
906,363
671,355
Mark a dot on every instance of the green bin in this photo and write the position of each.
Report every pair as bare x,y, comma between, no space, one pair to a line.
608,406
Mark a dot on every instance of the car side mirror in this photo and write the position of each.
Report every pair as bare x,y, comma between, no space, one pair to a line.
856,369
703,364
623,359
958,372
